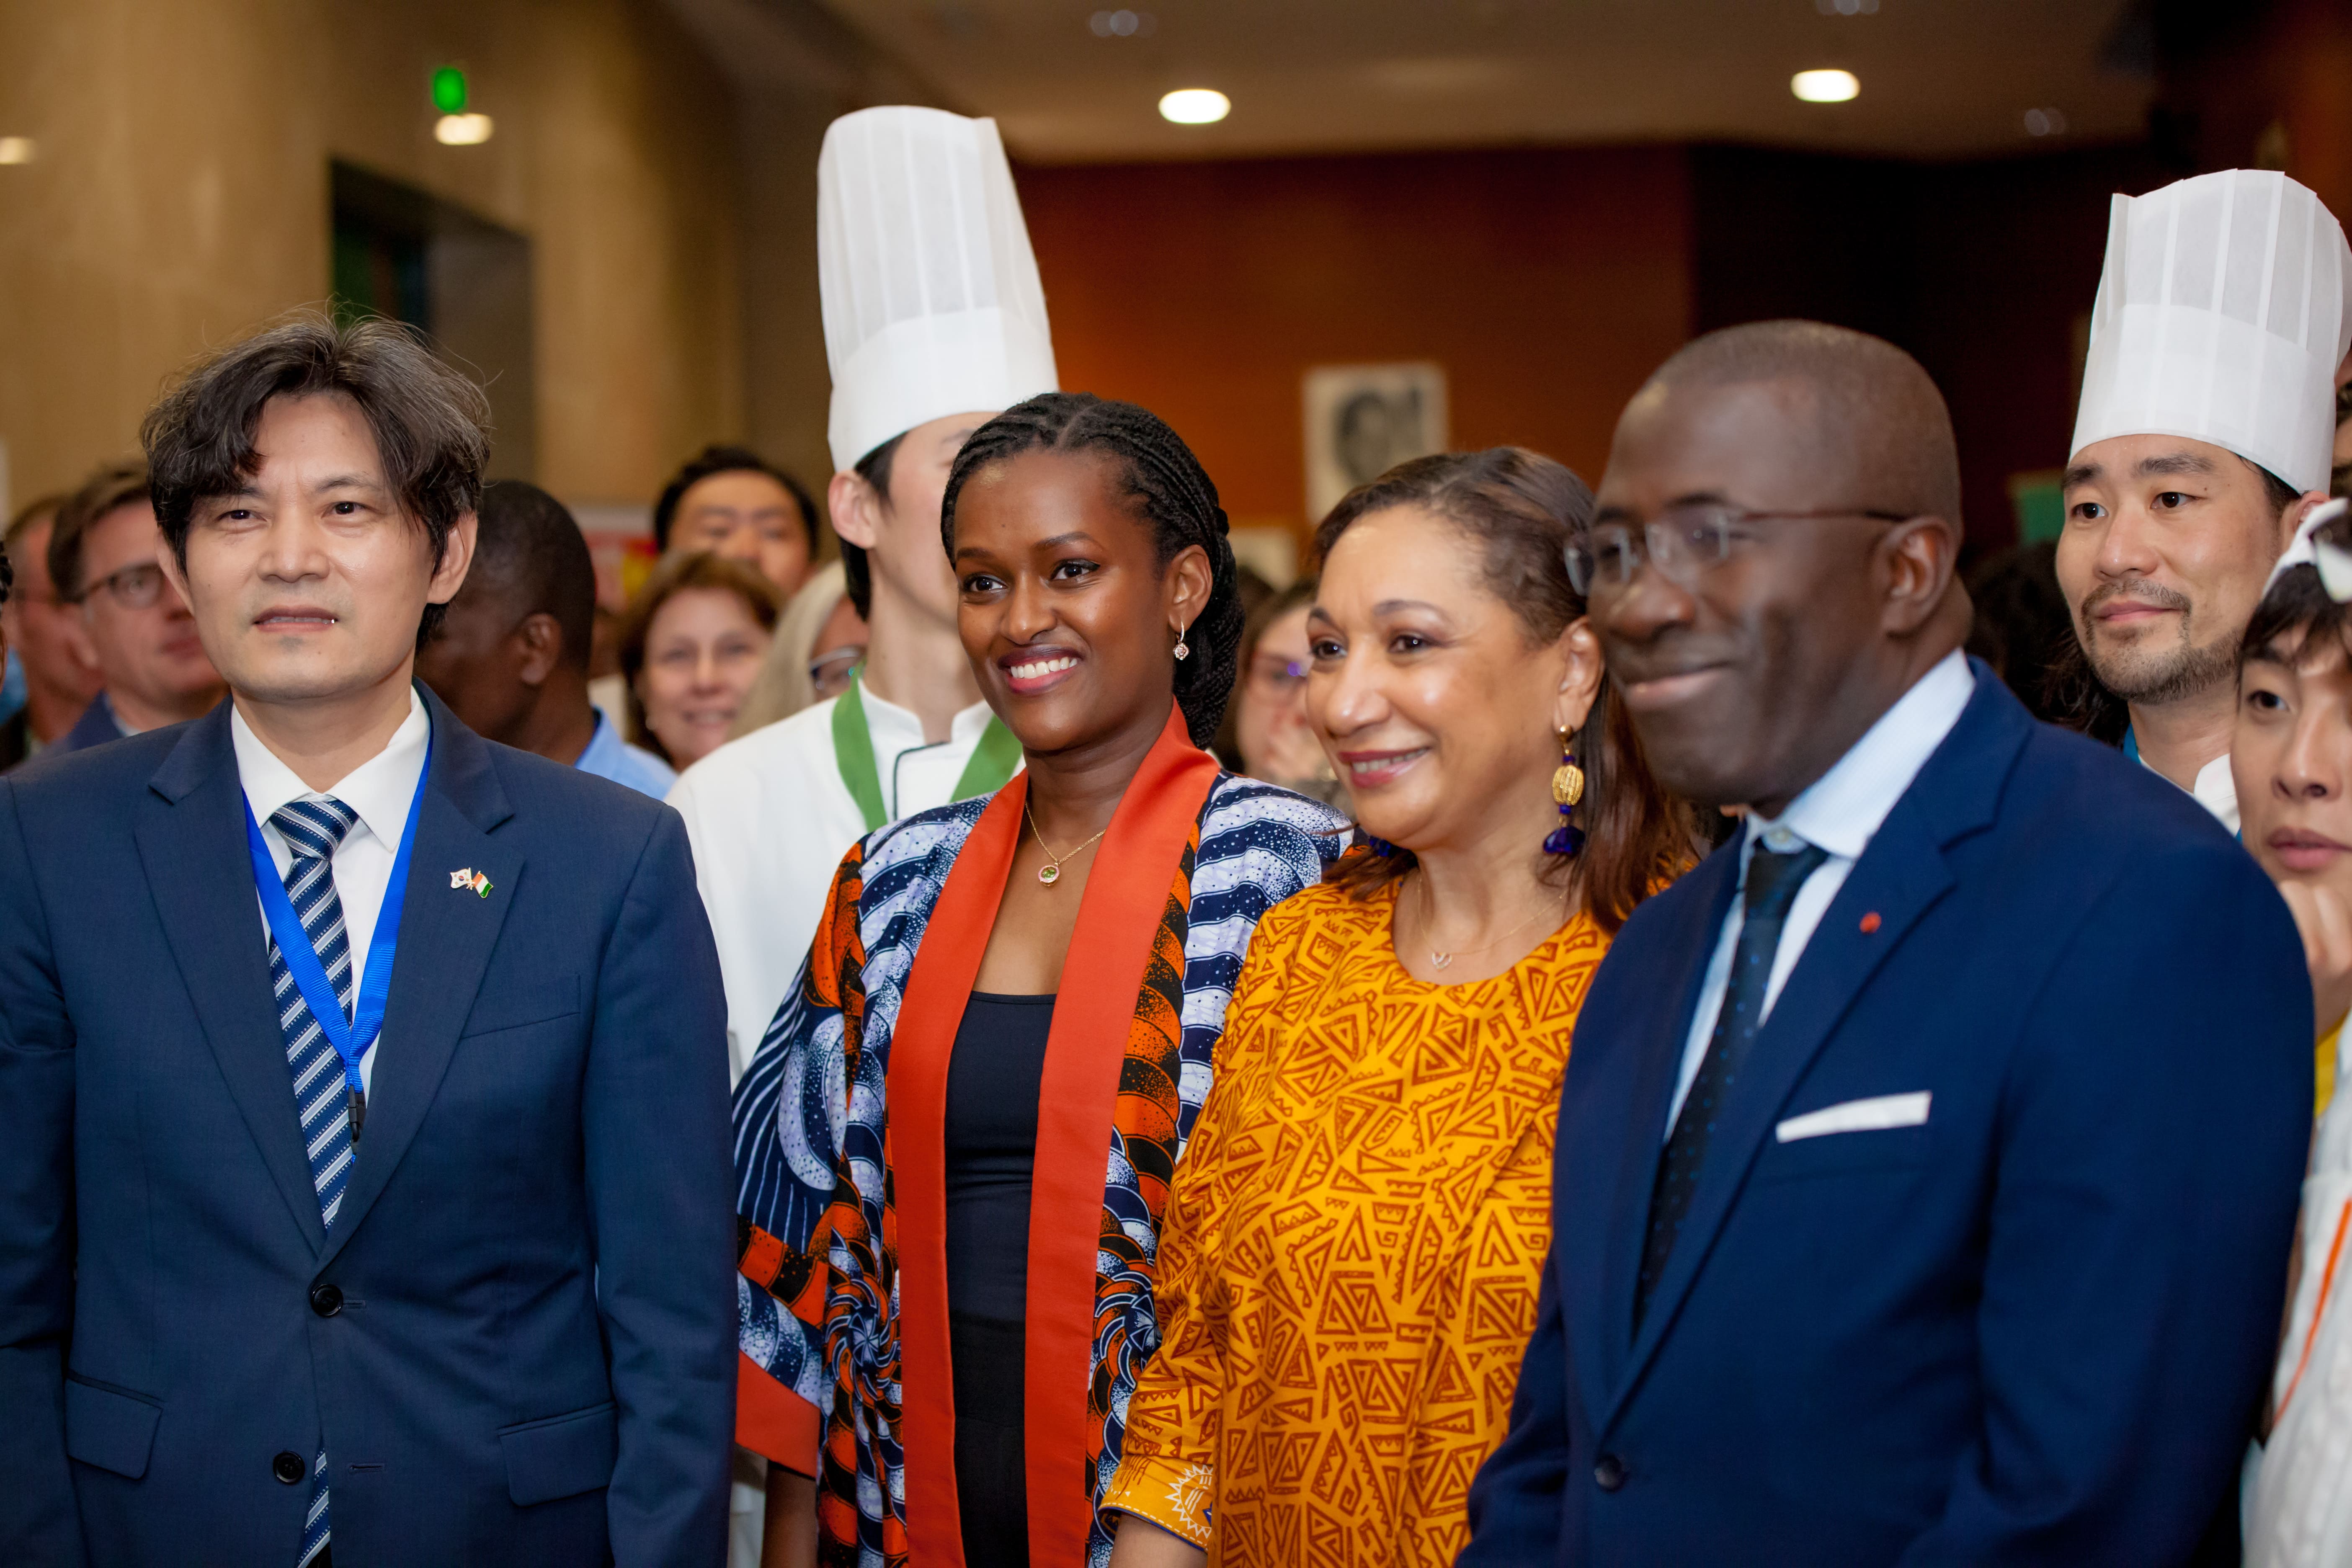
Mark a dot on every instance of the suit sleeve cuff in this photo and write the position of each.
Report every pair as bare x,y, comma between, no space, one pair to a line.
1174,1494
772,1421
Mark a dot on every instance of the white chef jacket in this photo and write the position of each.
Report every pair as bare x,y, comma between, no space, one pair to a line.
769,820
2298,1494
379,789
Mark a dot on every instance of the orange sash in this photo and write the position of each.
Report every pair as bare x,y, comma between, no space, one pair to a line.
1126,895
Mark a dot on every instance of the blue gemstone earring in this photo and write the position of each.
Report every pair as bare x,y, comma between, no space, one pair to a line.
1567,789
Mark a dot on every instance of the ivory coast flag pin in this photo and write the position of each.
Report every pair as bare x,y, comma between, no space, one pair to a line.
470,879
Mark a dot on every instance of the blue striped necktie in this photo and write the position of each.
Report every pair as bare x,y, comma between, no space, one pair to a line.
313,829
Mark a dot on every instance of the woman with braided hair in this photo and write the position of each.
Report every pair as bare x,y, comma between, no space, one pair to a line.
956,1142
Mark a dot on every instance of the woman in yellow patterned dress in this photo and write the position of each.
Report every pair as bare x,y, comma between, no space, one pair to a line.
1348,1265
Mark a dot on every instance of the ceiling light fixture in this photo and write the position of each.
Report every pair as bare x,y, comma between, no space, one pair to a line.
462,130
1195,106
16,148
1825,86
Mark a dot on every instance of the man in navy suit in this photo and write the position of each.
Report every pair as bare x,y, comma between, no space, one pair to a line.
274,1292
1928,1157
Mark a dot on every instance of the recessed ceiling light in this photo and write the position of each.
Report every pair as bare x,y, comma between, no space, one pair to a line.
462,130
1825,86
16,148
1195,106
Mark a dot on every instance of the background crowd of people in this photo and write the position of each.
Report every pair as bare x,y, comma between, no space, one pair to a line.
1590,1029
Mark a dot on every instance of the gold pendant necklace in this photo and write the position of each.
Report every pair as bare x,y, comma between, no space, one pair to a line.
1051,871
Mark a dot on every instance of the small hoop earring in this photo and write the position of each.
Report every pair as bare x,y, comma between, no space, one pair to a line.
1181,649
1567,789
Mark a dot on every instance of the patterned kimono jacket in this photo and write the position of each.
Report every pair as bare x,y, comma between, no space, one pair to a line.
840,1146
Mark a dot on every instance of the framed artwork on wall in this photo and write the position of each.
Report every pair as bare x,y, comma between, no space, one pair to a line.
1363,420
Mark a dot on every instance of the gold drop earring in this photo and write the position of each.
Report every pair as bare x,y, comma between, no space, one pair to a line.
1181,650
1567,789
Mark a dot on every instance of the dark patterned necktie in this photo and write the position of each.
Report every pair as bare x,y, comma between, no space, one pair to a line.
1772,883
313,830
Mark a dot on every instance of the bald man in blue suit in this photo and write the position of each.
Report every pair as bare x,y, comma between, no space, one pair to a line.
1929,1156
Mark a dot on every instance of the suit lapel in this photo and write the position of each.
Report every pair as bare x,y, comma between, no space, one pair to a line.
446,938
192,843
1900,877
1610,1231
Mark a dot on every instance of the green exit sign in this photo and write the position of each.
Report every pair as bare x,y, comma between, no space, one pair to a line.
450,91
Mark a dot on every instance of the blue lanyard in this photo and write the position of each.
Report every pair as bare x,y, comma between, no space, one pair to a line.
350,1040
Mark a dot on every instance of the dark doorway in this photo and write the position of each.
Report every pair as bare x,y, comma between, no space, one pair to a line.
405,254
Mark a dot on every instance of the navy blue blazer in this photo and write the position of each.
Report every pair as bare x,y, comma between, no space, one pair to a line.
2035,1329
519,1345
96,727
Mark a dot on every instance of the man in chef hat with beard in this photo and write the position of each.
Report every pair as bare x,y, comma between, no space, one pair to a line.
934,323
2204,436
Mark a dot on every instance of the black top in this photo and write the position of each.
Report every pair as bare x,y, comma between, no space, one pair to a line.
994,1078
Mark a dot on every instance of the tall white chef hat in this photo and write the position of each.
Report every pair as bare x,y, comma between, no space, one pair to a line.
2223,311
933,304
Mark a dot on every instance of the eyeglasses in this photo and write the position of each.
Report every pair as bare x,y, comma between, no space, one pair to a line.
1281,676
829,673
134,587
1683,543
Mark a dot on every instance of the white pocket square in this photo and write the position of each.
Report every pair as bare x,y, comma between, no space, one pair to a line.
1873,1115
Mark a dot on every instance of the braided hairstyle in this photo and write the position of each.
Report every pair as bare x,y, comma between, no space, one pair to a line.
1171,490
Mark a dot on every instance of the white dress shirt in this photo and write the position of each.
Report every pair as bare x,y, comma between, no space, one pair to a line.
769,820
379,789
1838,811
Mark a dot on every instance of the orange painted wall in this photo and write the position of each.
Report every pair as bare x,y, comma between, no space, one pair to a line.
1548,282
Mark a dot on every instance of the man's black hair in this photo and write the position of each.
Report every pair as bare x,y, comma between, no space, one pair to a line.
856,571
1168,486
530,552
431,423
720,458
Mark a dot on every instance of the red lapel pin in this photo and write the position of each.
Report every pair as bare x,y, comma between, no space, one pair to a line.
1870,922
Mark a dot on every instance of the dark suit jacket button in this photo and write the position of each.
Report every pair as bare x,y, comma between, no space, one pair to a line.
1609,1473
288,1467
326,1301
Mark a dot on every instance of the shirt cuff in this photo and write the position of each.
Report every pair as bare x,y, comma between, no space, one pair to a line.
772,1421
1174,1494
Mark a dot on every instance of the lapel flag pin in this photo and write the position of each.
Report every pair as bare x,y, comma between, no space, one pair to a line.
465,878
1870,922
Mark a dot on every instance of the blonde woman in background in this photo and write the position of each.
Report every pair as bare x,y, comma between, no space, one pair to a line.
819,639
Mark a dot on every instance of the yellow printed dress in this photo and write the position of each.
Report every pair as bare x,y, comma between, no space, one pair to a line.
1349,1259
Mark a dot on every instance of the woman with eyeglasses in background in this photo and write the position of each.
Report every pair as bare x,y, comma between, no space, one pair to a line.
1266,734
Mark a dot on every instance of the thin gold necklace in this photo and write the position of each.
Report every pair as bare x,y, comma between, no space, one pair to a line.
1445,960
1051,871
